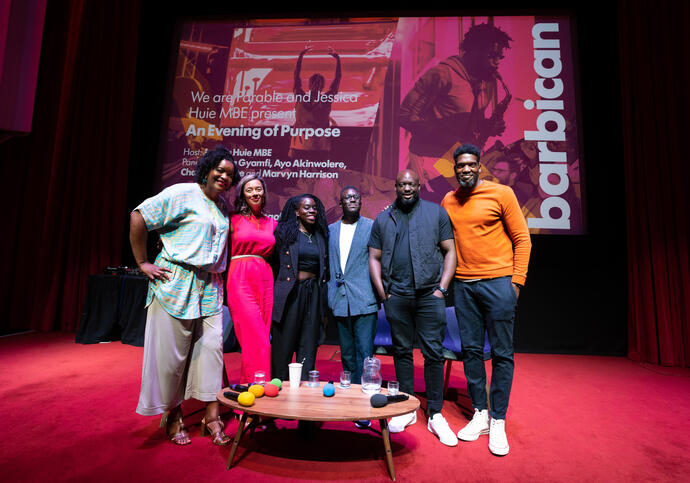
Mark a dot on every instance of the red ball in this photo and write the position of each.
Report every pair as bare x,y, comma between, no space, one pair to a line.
270,390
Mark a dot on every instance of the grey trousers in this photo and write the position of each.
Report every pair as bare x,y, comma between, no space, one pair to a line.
182,359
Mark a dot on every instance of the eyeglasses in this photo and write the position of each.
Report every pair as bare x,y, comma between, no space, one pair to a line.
353,196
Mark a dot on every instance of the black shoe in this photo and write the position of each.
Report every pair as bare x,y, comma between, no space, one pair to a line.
363,423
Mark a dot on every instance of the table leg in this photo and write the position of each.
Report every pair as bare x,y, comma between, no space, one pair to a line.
385,434
236,441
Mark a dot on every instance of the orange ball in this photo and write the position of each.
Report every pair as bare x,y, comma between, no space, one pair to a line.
270,390
257,390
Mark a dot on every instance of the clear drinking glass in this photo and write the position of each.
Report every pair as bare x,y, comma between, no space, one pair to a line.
313,379
260,377
345,379
393,388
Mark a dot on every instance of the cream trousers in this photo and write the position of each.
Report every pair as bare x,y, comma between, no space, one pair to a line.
182,359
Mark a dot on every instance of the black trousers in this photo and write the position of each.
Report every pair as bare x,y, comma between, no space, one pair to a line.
299,330
425,317
487,305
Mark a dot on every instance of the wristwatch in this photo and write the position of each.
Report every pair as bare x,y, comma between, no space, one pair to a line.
442,290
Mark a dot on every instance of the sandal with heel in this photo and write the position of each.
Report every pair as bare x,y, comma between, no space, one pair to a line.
219,438
180,436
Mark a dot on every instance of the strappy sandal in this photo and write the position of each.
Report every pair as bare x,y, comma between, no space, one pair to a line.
179,437
219,438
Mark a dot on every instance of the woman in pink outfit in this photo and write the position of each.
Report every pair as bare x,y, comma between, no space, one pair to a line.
250,278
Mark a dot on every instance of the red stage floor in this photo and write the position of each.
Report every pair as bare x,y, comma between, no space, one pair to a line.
68,415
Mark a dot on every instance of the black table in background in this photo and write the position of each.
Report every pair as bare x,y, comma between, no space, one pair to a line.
114,309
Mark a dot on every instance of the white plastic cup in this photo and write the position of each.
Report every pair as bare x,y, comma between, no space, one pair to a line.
295,369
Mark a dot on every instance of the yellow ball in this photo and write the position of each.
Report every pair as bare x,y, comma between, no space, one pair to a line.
257,390
246,398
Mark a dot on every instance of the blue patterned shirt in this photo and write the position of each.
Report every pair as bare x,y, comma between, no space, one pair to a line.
194,232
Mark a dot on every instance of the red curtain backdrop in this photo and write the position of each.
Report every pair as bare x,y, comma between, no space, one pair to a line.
65,184
655,79
21,35
67,181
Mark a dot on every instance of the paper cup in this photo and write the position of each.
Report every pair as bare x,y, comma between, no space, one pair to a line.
295,369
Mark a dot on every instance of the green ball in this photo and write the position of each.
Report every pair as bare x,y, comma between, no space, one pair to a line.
276,382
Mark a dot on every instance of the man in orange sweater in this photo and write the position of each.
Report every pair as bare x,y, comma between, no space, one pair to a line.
493,246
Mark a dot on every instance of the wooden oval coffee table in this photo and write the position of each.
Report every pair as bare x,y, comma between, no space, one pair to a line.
309,404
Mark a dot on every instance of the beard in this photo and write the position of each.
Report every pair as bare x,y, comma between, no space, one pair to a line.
468,184
407,205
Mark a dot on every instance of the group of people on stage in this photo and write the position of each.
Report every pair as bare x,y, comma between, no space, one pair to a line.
284,276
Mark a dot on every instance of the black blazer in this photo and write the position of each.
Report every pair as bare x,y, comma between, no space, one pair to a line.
285,274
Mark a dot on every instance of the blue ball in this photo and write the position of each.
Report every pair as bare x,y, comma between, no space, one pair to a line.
328,390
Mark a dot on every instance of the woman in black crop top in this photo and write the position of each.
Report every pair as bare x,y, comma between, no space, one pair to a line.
299,295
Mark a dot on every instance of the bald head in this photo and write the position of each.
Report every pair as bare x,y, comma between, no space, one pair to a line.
407,188
407,173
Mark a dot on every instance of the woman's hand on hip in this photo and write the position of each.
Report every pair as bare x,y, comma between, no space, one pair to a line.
154,272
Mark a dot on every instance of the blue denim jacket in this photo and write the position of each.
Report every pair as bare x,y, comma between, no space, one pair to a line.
353,288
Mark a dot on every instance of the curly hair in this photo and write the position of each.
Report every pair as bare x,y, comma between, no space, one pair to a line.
482,37
241,205
286,231
211,160
466,149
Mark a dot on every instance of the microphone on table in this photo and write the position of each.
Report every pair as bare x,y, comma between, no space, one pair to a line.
244,399
329,389
257,390
239,387
271,390
231,395
381,400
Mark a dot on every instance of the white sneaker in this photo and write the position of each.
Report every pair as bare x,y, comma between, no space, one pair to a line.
438,426
399,423
498,443
478,426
